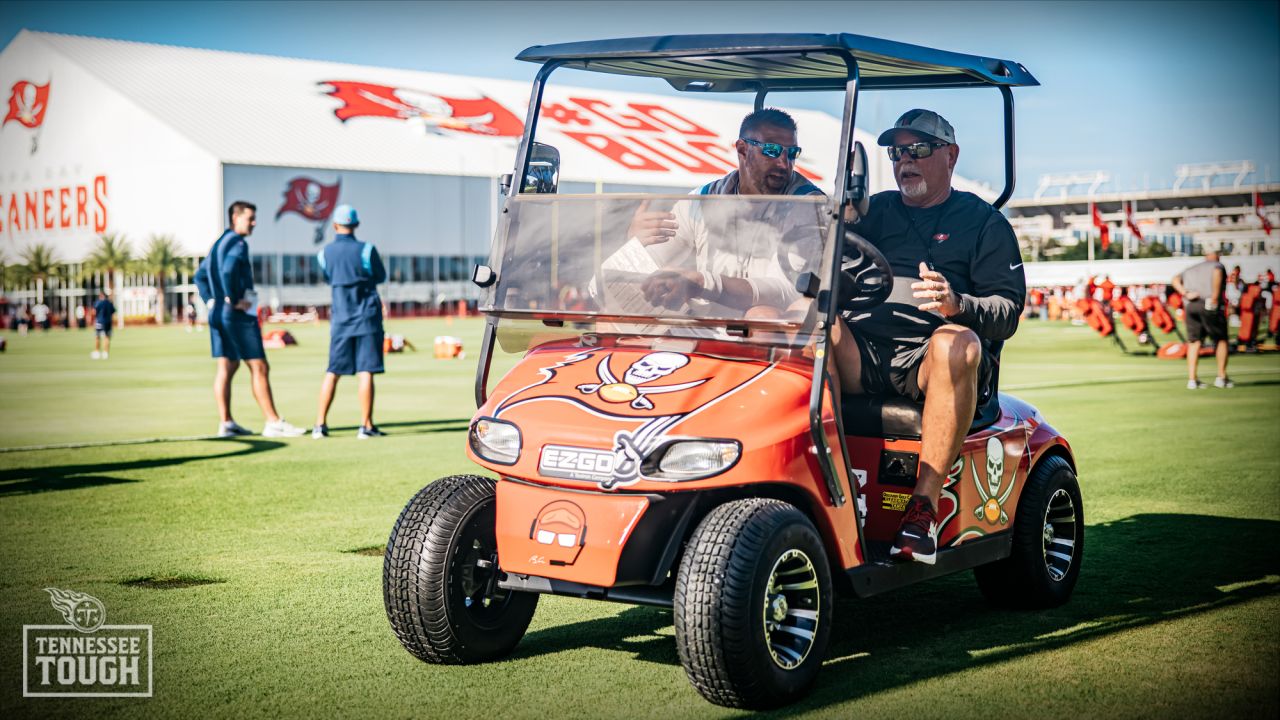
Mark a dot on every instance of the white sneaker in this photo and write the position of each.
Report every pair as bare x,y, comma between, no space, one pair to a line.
231,428
282,428
1194,385
104,354
95,355
1223,382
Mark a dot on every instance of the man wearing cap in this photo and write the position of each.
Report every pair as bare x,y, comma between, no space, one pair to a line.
225,282
354,269
958,293
1203,285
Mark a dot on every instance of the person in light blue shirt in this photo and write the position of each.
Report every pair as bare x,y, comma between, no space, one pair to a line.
353,269
225,282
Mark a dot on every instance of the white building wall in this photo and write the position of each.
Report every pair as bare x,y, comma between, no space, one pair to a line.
140,176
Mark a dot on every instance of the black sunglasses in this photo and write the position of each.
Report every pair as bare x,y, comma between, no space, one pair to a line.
918,150
773,150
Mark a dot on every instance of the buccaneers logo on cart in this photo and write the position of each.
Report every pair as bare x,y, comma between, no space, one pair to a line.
992,507
634,385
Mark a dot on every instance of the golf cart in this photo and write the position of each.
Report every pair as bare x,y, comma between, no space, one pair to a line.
694,455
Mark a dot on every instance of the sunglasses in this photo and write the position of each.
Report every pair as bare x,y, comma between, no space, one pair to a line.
918,150
773,150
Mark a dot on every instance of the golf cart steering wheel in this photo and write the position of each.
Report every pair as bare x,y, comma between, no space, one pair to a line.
865,276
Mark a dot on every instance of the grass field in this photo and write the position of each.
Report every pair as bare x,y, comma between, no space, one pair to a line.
1175,614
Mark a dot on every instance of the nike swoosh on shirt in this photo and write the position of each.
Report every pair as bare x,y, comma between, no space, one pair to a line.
1014,267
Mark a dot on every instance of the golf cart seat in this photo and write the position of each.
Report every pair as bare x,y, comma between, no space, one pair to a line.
900,417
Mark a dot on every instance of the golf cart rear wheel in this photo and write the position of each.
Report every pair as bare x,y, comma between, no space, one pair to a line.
1048,543
439,577
753,604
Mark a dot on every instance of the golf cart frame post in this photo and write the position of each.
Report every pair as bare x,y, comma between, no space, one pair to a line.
774,63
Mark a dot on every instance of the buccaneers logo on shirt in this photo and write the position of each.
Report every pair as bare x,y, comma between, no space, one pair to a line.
438,113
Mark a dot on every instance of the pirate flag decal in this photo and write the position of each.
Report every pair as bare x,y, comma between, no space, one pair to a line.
312,200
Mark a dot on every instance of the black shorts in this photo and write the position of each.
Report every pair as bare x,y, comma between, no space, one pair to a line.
1202,323
892,367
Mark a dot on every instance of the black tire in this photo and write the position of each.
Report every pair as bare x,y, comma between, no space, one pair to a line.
1048,543
732,650
437,576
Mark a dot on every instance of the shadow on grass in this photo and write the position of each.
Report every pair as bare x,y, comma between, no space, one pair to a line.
27,480
1137,572
415,427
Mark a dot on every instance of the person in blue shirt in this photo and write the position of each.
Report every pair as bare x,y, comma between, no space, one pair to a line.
103,312
225,282
354,269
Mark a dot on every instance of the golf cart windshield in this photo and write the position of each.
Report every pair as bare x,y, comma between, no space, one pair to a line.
728,260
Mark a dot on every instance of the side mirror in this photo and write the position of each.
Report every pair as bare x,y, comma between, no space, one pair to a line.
483,276
543,175
857,196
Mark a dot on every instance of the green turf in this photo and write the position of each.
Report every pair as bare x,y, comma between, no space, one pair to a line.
274,615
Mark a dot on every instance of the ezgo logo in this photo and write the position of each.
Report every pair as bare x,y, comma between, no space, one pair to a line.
86,658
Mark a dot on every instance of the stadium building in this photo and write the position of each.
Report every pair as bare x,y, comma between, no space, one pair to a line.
106,136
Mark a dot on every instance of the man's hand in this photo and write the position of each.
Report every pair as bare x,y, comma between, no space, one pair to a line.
935,288
652,227
243,305
671,288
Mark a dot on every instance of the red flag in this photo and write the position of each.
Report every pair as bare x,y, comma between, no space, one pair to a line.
27,104
310,199
1104,232
1261,212
479,116
1133,224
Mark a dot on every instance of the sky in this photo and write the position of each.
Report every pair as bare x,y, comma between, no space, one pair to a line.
1132,89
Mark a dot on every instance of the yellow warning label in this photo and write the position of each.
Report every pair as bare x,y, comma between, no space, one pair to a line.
896,502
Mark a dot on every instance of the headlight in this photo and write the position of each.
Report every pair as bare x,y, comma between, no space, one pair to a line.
496,441
693,459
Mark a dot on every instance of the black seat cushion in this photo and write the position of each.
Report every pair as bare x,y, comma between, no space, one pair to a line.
899,417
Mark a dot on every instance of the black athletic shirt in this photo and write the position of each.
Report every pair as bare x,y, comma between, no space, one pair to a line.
964,238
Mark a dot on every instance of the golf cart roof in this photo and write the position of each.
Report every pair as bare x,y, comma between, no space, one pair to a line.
791,61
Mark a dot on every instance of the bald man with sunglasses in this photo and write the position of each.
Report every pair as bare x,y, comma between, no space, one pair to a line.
767,150
958,293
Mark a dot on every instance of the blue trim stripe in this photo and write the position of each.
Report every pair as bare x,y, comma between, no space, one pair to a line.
320,259
366,257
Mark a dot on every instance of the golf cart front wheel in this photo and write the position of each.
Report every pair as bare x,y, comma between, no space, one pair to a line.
440,573
753,604
1048,543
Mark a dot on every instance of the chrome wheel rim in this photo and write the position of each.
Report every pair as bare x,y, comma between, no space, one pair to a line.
791,605
1060,535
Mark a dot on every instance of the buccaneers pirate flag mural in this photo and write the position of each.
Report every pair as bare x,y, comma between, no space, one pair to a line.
312,200
27,103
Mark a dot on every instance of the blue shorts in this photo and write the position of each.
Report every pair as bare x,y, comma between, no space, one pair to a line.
235,335
102,331
351,354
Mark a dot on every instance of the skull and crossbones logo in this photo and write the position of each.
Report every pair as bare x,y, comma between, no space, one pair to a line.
634,385
992,507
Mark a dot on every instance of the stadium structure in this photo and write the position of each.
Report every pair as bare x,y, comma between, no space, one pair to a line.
140,140
1211,206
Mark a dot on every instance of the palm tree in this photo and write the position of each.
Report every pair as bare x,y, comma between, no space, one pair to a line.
161,259
111,255
39,262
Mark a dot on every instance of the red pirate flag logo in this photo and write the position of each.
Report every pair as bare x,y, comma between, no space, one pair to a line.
478,116
310,199
27,103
